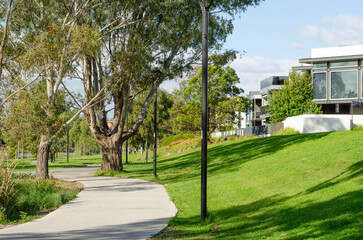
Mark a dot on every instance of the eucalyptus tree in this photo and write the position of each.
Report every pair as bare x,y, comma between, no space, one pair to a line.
145,134
224,98
49,32
142,42
6,8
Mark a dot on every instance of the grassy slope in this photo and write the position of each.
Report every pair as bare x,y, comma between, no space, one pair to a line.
282,187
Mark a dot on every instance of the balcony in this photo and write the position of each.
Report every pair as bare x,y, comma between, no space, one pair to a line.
256,115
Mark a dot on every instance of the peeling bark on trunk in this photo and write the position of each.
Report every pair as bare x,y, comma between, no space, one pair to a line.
111,158
42,158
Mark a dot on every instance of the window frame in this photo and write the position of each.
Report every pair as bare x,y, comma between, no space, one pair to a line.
326,85
345,70
349,66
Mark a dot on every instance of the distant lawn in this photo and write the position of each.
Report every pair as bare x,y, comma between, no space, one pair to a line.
306,186
79,161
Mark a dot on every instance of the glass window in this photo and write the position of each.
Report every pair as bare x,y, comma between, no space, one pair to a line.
320,65
344,64
319,85
271,81
344,84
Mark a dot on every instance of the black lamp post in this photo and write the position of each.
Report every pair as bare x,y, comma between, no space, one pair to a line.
127,141
155,122
205,11
67,143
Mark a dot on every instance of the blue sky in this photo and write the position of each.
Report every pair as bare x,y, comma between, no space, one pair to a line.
277,33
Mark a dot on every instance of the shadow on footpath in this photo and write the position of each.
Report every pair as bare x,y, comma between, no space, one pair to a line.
138,230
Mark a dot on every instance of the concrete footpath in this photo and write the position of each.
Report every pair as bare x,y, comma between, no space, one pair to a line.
108,208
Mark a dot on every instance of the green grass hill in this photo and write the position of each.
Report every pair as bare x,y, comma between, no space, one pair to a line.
304,186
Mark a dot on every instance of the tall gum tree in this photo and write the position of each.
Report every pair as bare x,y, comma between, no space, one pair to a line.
142,42
47,27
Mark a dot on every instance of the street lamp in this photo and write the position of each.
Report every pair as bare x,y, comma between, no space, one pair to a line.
127,141
155,122
205,11
67,143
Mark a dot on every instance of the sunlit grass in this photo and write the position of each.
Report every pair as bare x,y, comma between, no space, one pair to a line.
305,186
78,161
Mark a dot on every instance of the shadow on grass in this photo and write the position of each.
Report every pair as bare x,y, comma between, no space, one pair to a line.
353,171
226,157
338,218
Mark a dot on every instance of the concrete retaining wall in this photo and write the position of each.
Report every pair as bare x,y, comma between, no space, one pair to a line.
310,123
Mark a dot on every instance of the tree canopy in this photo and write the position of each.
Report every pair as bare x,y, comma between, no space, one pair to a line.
224,98
118,49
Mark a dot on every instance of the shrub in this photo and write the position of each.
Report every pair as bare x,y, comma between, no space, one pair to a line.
174,138
287,131
358,127
8,186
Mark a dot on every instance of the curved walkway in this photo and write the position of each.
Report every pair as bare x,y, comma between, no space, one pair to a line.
108,208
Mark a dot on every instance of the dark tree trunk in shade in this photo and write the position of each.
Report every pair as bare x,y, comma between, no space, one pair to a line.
111,159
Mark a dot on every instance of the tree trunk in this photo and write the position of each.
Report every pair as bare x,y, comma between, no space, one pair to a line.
111,158
42,158
22,148
17,153
147,152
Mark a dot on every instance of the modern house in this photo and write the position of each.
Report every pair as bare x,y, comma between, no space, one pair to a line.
258,115
266,85
337,78
254,114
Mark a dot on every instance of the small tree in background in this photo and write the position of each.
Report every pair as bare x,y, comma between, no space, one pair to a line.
224,98
145,133
294,98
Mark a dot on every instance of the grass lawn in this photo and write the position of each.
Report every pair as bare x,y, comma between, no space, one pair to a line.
79,161
306,186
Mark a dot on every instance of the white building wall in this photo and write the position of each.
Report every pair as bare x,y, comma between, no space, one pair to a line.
337,51
310,123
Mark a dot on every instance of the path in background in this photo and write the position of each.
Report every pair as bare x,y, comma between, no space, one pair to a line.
108,208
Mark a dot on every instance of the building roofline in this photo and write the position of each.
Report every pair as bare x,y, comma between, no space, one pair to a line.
302,68
335,58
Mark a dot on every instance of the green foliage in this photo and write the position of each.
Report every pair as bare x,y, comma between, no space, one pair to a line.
287,131
224,98
146,129
294,98
32,196
358,127
28,117
3,218
81,138
9,182
174,138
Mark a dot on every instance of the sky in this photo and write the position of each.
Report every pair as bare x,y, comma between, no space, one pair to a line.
277,33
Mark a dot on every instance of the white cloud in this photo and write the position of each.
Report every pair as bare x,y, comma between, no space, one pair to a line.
298,46
251,70
345,30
